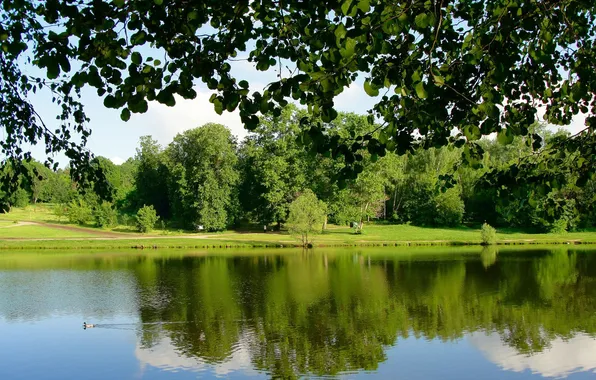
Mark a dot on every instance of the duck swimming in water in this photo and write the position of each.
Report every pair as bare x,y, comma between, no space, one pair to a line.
88,325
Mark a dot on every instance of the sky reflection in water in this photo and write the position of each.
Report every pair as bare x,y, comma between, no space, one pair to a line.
383,313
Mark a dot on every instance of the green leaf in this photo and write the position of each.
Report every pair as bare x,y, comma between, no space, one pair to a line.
158,2
422,20
217,104
340,31
345,7
420,91
504,137
53,69
119,3
349,48
364,5
472,132
136,58
125,114
370,89
243,84
439,80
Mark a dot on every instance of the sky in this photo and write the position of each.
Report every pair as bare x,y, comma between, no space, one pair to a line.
118,140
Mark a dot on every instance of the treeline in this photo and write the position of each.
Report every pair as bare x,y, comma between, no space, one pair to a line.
206,179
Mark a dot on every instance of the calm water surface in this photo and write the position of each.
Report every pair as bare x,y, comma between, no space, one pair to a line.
418,314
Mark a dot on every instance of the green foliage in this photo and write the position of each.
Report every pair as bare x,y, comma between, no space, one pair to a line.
203,176
307,215
20,198
79,212
151,178
488,235
146,219
105,215
449,208
350,42
60,210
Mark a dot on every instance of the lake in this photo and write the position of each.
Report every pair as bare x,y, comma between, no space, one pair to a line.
419,313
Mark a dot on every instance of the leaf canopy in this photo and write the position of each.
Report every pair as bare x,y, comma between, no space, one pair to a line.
453,66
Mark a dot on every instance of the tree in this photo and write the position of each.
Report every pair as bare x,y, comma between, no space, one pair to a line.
151,179
463,65
363,198
307,214
79,212
203,176
146,219
105,215
274,167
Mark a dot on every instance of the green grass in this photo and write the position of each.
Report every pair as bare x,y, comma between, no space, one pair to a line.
38,213
373,235
40,232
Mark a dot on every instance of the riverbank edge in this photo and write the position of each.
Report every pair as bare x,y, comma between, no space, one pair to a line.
127,244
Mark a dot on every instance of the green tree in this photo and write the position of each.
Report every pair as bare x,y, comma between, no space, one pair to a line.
79,211
307,215
146,219
202,164
151,178
105,215
273,167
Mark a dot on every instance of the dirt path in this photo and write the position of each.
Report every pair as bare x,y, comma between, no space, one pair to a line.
19,224
99,233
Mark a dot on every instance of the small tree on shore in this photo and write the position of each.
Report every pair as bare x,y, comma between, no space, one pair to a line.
307,215
488,234
105,215
146,219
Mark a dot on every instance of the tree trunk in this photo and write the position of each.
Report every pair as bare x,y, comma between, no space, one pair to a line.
325,223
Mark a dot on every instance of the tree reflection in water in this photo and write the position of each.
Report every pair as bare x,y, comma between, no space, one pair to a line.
317,313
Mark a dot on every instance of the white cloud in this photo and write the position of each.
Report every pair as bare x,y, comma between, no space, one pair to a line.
117,160
165,122
165,356
562,359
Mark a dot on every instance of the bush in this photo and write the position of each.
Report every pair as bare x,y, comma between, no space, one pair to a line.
488,234
105,215
20,198
61,210
146,219
449,208
559,226
78,212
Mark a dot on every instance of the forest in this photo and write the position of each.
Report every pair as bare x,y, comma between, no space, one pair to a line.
205,179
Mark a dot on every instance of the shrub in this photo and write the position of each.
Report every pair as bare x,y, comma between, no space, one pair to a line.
559,226
307,215
449,208
146,219
78,212
61,210
20,198
105,215
488,234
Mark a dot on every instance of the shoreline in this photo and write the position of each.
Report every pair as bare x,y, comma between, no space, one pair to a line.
154,243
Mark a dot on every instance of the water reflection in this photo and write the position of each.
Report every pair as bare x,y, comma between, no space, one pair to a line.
327,313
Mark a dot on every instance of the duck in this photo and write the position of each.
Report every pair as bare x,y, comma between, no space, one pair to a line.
88,325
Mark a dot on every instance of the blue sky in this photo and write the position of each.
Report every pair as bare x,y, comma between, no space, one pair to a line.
117,140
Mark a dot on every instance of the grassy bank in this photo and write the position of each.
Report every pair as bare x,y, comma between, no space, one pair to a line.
36,227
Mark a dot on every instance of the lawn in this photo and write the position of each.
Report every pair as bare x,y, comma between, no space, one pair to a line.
124,237
40,232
